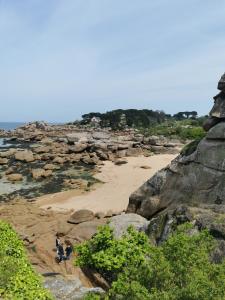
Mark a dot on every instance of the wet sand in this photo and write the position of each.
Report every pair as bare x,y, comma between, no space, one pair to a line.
119,183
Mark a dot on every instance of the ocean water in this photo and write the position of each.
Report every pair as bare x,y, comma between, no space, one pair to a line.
4,143
10,125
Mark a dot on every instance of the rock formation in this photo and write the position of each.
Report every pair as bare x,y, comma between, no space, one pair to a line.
196,177
192,187
217,114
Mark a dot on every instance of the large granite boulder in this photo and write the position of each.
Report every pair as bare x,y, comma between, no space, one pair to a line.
195,179
120,223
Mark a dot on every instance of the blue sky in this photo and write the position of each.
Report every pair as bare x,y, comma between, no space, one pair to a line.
60,59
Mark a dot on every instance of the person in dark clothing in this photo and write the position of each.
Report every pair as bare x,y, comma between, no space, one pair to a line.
57,242
61,256
69,249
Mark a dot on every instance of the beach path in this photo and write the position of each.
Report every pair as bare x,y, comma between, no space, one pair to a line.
119,183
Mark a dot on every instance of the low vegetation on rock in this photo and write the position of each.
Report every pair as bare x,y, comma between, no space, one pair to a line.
187,129
180,268
18,280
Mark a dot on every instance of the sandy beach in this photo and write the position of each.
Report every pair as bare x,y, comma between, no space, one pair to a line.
119,183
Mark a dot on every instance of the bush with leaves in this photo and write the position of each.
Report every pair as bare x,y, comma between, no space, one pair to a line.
108,255
184,130
178,269
17,277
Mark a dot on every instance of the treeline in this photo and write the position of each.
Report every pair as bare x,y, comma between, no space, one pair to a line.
120,118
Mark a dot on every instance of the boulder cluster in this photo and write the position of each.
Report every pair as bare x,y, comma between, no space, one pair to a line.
47,148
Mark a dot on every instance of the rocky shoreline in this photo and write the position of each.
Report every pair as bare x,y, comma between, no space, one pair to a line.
38,158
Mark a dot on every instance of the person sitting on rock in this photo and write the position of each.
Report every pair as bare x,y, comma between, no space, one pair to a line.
68,250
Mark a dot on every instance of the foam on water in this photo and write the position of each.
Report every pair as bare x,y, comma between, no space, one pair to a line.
4,144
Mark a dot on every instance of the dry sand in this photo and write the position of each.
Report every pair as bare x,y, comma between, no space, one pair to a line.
119,183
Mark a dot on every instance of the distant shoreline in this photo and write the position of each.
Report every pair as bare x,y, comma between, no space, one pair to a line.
10,125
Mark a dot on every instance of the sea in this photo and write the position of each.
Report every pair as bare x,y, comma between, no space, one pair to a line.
10,125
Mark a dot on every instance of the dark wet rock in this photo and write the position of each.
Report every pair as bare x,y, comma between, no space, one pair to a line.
81,216
120,223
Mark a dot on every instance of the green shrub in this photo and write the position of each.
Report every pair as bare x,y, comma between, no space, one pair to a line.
178,269
17,277
185,130
108,255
